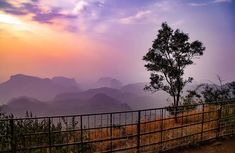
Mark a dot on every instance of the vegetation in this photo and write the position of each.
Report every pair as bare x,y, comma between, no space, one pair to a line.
167,59
213,92
64,133
36,132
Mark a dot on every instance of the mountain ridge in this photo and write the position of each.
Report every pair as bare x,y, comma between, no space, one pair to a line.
25,85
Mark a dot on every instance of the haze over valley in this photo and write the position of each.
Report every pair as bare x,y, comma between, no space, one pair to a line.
61,96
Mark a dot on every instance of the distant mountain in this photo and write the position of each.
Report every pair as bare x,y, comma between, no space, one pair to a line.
114,93
19,106
144,99
134,87
65,82
95,104
35,87
102,103
132,94
109,82
62,96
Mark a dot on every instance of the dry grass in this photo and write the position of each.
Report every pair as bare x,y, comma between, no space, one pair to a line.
186,130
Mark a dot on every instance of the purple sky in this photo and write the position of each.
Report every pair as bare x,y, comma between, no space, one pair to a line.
88,39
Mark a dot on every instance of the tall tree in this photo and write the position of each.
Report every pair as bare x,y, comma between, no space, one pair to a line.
170,54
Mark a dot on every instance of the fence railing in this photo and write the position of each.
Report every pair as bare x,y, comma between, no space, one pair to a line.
149,130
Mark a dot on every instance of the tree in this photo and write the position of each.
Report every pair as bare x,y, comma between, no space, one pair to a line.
170,54
213,92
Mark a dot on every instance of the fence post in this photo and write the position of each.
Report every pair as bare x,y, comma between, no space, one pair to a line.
81,133
13,145
111,132
138,132
161,129
182,123
203,111
49,133
219,118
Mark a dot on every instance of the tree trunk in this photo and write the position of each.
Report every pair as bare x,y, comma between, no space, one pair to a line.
175,108
177,100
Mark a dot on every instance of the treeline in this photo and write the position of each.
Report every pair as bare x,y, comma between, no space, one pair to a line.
207,93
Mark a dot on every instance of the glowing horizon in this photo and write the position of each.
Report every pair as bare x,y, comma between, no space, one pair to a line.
88,39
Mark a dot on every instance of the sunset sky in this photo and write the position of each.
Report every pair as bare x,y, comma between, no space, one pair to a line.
88,39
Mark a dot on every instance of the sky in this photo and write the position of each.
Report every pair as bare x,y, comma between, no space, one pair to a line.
89,39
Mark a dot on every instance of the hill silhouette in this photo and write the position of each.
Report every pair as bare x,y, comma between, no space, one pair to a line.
61,95
39,88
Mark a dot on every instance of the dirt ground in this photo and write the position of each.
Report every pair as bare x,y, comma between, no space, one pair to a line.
221,146
225,145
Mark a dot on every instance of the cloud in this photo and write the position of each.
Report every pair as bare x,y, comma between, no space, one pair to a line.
100,3
137,18
10,8
80,6
222,1
33,7
198,4
210,2
48,17
165,5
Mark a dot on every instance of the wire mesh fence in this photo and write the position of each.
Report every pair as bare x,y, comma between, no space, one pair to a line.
149,130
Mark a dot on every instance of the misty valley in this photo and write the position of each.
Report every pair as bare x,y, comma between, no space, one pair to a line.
64,96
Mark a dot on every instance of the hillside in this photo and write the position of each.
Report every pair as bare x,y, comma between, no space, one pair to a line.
39,88
61,95
97,103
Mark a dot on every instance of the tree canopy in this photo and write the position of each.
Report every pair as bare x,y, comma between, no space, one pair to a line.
170,54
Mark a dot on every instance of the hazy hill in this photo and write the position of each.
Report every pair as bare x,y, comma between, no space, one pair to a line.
114,93
35,87
134,87
19,106
131,94
65,82
103,103
61,95
95,104
143,99
109,82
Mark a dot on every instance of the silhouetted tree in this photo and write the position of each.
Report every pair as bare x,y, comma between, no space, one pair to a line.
170,54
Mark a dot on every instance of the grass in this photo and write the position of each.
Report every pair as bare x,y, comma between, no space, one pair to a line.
155,133
187,130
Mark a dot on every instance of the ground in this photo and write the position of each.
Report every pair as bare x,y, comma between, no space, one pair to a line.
221,146
225,145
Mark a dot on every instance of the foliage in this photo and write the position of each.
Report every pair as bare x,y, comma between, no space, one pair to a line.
214,92
170,54
34,132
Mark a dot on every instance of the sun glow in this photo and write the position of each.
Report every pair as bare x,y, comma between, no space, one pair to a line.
14,23
8,19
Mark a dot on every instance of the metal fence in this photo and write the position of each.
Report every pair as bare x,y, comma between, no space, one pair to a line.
150,130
